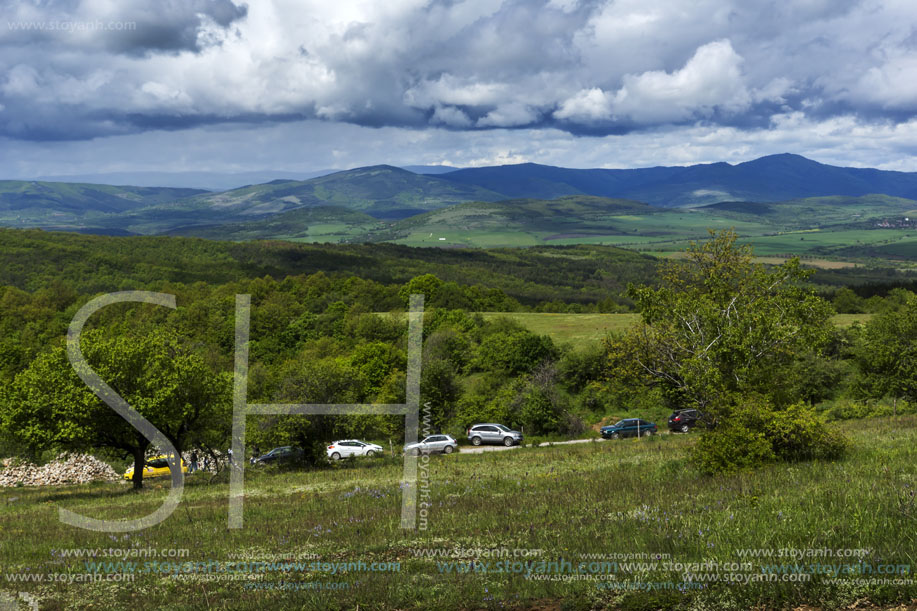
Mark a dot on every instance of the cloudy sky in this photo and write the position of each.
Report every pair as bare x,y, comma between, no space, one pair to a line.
220,85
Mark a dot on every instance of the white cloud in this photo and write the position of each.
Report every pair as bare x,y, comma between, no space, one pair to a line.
892,85
712,79
509,115
586,106
450,90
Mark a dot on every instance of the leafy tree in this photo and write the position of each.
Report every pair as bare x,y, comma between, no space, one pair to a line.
720,325
427,284
47,406
847,302
439,388
514,351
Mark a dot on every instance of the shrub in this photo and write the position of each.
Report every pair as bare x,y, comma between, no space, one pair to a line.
797,433
755,433
847,409
730,448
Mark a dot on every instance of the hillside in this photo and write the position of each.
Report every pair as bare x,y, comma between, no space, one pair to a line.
817,212
514,222
381,191
318,224
30,203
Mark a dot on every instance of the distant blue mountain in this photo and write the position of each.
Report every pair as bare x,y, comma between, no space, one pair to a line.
768,179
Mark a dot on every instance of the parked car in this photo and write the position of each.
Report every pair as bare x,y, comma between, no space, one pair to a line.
352,447
279,455
493,433
629,427
158,466
684,420
433,443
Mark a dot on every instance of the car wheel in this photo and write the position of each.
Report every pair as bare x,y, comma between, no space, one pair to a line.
615,435
507,441
371,453
475,441
335,456
685,428
448,450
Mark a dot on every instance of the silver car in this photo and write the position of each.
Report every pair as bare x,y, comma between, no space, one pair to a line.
493,433
433,443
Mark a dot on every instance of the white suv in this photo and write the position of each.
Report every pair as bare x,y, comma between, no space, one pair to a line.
352,447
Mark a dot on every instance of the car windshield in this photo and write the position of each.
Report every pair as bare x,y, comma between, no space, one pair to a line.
158,463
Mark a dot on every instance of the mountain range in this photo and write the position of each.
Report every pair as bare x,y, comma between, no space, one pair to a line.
767,179
500,205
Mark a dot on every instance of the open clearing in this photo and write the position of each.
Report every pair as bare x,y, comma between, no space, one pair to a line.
587,328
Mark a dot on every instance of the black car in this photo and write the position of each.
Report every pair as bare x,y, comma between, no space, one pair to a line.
279,455
684,420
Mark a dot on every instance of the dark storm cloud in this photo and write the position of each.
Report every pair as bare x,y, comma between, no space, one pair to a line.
136,27
594,67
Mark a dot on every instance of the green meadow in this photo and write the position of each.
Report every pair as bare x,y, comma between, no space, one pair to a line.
618,525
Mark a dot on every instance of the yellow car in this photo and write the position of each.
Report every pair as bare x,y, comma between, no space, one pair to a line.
158,466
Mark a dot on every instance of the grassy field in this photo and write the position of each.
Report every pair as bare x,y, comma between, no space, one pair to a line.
573,328
580,328
609,516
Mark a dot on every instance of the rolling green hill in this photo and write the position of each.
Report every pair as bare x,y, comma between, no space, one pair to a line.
62,204
318,224
382,191
817,212
566,220
512,222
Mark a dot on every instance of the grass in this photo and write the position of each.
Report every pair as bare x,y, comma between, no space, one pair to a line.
573,503
587,328
571,328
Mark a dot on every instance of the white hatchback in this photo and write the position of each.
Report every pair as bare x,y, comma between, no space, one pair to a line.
352,447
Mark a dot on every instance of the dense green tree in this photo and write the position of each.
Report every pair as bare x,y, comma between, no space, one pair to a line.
887,355
439,391
47,406
845,301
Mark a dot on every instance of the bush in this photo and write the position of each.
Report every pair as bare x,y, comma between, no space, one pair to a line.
847,409
797,433
731,448
755,433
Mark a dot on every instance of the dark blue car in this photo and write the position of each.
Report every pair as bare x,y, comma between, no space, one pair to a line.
629,427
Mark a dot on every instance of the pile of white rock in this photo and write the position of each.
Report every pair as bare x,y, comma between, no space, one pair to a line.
65,469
